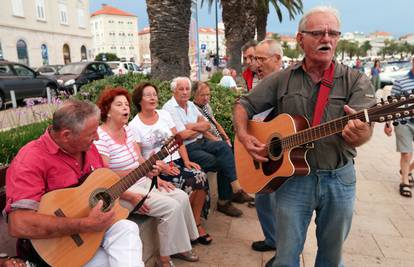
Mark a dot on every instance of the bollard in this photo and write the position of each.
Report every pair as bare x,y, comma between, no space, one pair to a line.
75,89
13,98
49,97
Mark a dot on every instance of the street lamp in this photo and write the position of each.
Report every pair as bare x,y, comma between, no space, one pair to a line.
216,60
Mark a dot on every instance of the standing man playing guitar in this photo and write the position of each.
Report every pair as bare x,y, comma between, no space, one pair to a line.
329,187
61,158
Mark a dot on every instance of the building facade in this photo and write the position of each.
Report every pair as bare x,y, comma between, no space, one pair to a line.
115,31
42,32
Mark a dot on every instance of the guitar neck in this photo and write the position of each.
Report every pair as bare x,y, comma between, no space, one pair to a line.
123,184
320,131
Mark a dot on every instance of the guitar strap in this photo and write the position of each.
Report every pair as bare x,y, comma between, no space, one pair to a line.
324,89
141,202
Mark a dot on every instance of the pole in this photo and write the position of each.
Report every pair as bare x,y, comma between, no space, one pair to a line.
217,42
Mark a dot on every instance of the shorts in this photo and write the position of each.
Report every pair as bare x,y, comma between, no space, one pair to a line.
404,137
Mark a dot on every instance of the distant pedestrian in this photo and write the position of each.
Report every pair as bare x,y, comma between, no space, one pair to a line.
227,80
375,78
250,74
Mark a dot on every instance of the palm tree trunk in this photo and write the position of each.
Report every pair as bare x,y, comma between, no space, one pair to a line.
169,22
239,18
261,24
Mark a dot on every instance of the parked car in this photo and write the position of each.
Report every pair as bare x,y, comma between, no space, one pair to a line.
24,81
80,74
49,70
392,71
124,67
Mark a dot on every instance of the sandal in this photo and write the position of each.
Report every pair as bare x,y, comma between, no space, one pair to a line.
187,256
202,239
405,190
410,179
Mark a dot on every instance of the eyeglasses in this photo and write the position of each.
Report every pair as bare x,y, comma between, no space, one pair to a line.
321,33
150,95
261,59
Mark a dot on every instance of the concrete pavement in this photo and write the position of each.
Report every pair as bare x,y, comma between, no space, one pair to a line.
382,232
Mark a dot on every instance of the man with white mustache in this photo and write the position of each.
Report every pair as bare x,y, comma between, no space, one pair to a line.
329,188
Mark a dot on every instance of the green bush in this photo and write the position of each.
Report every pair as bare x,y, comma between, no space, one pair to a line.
12,140
222,101
216,77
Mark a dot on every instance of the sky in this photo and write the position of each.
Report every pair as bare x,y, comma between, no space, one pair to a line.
365,16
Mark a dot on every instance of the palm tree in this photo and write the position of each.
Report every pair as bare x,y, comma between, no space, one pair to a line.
169,22
294,8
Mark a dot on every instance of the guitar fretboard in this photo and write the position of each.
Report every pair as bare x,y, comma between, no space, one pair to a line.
122,185
319,131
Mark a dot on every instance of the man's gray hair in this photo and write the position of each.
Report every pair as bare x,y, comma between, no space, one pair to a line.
274,47
318,9
72,115
251,43
175,81
226,72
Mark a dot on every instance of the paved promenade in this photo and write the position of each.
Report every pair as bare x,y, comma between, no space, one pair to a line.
383,226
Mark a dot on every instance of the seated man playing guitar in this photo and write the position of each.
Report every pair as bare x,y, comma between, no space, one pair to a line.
62,157
318,89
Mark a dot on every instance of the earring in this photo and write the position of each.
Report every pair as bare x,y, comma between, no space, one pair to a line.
109,115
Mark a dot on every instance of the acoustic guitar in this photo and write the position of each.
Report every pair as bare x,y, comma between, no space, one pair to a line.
288,138
101,184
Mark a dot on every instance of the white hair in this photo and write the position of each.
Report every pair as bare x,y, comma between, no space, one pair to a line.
274,47
226,72
318,9
175,81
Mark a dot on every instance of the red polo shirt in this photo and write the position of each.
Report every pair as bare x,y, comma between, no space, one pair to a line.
42,166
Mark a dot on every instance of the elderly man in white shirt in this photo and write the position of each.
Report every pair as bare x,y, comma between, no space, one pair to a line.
210,155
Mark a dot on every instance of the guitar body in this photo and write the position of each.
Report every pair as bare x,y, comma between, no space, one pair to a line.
76,250
265,177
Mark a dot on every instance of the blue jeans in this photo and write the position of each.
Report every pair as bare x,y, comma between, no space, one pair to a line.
332,195
215,156
266,213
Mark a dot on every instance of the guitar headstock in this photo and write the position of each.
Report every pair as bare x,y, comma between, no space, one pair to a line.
393,108
172,144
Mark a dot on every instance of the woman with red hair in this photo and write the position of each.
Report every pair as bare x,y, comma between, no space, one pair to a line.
121,153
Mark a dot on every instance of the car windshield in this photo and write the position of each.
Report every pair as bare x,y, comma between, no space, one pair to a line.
113,65
72,69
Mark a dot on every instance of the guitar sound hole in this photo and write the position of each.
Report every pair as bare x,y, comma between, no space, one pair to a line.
104,196
275,148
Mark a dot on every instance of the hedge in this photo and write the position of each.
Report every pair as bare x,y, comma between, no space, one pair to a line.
222,101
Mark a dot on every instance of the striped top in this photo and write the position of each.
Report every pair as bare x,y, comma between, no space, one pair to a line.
404,84
121,156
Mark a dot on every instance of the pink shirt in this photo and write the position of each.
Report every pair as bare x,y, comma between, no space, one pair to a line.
42,166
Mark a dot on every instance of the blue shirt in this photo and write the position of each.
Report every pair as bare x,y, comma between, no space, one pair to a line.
181,117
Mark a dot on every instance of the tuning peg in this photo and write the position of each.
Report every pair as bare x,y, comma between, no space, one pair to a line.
403,122
390,98
389,117
406,113
395,123
403,98
411,120
397,115
381,119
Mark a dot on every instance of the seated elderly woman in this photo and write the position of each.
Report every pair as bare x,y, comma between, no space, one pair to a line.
227,80
119,151
150,126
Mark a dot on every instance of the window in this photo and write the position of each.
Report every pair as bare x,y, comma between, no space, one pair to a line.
83,53
17,8
63,14
23,71
81,18
45,56
40,9
22,54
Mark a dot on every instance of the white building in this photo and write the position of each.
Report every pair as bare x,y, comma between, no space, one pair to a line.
377,41
144,45
409,38
115,31
40,32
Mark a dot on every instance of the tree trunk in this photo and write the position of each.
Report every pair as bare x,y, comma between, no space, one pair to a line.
169,22
239,18
261,24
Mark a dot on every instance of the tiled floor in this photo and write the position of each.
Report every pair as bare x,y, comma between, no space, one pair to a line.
382,232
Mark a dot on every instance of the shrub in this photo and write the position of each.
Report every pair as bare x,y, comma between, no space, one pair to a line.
12,140
216,77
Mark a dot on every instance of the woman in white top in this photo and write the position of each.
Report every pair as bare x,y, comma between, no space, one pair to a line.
120,153
150,126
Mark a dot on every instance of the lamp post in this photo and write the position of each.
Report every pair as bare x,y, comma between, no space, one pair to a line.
216,60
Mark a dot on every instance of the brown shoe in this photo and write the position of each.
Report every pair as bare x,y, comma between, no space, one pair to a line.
229,209
241,197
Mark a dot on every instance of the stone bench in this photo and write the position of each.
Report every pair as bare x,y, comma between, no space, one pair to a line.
147,227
